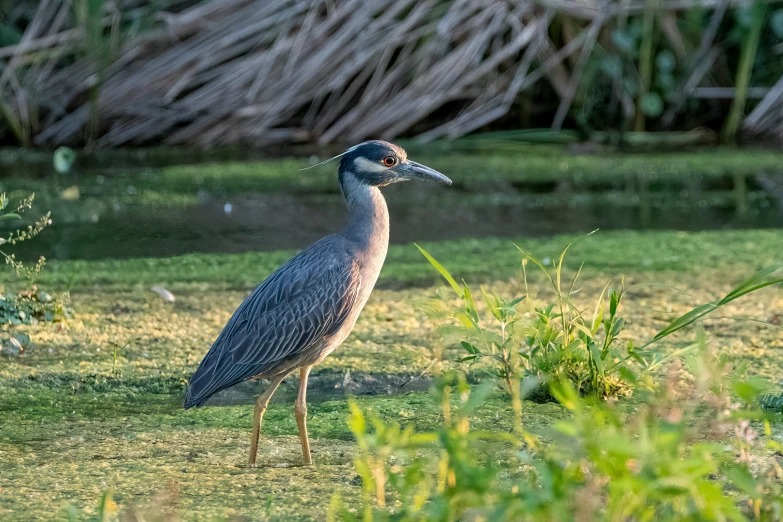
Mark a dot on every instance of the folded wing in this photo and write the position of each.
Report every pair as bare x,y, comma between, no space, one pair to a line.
305,300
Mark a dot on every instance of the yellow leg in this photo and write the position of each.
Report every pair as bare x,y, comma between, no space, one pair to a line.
301,414
258,414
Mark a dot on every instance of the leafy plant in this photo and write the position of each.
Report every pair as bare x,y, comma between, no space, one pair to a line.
772,403
30,305
672,458
557,341
22,234
548,342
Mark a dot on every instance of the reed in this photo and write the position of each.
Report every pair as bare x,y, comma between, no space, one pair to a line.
244,72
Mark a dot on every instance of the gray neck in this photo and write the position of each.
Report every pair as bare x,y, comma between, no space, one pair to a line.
368,216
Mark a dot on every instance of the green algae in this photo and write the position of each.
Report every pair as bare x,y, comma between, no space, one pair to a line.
474,259
465,165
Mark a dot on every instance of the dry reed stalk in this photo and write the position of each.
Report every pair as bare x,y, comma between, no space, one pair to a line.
263,72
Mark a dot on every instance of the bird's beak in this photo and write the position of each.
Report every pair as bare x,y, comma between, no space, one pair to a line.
412,170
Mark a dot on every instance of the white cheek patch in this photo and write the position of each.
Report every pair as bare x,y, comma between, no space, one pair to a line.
365,165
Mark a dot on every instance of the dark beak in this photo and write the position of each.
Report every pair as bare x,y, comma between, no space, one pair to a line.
413,170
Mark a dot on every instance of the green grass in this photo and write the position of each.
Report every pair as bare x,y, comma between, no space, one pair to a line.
472,259
76,421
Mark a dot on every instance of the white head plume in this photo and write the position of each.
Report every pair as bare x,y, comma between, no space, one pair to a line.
334,157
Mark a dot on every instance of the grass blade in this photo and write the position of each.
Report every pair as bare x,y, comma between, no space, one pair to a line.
442,271
761,279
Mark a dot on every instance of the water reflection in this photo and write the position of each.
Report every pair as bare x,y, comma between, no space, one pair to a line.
93,225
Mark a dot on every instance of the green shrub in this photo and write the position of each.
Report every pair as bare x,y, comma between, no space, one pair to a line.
686,449
685,452
557,341
30,305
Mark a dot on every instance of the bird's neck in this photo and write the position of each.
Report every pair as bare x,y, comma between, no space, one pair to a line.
368,216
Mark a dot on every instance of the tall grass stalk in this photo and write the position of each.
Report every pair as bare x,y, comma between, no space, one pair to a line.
750,46
645,59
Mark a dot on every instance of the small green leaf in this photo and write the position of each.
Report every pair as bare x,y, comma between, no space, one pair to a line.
566,395
665,61
10,215
617,327
613,301
612,66
583,329
761,279
624,40
751,389
469,347
627,374
596,353
685,320
776,24
765,277
652,104
356,420
63,159
743,479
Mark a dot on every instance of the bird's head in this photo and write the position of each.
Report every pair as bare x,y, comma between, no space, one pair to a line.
379,163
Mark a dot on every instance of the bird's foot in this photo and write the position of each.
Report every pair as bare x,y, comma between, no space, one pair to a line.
251,462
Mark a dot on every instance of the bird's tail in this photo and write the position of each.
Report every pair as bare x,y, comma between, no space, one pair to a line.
192,400
203,384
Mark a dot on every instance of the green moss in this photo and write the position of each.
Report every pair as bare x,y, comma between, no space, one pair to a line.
514,163
469,168
55,455
473,259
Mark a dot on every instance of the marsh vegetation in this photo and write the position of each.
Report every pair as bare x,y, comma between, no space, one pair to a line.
92,420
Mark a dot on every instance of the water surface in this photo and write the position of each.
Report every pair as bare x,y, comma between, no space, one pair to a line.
122,213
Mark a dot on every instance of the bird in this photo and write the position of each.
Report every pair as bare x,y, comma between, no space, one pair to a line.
308,307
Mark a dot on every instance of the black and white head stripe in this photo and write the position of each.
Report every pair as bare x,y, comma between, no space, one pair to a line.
373,163
373,151
378,163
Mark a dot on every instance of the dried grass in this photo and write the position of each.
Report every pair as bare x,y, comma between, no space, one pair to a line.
265,72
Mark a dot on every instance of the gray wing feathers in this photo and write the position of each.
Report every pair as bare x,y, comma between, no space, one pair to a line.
307,299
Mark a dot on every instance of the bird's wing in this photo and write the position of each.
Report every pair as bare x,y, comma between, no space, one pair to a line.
304,300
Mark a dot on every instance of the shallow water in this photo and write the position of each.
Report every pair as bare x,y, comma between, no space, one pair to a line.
115,217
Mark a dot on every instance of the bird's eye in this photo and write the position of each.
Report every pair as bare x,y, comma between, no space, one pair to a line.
389,161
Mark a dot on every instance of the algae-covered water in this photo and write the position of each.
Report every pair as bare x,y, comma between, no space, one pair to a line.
94,405
145,207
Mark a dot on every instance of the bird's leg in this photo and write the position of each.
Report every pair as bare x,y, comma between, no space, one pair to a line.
258,414
301,414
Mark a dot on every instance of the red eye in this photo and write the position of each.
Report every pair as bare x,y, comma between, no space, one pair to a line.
389,161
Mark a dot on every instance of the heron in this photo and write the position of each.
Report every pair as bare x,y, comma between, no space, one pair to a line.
306,309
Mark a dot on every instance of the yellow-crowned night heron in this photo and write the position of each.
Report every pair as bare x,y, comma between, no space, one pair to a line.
308,307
